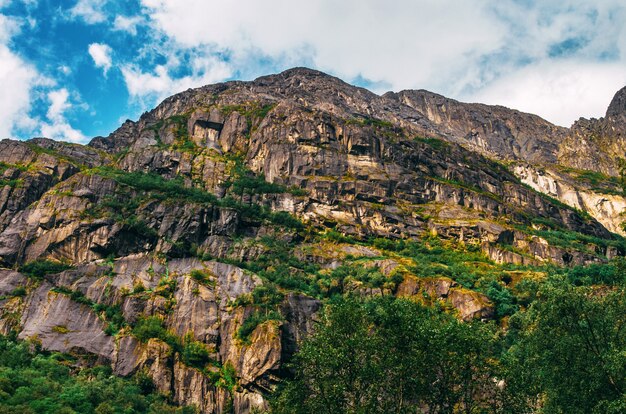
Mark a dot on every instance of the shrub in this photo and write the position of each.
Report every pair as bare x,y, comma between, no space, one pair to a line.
40,268
19,291
150,327
195,353
255,319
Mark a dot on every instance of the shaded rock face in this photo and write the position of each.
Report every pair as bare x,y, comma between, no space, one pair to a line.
495,130
160,219
598,144
617,106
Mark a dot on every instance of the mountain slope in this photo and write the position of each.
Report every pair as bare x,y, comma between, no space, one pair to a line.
219,223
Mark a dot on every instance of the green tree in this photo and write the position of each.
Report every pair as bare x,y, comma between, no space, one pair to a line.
571,350
391,356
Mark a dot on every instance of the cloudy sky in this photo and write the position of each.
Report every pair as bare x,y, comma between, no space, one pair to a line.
75,69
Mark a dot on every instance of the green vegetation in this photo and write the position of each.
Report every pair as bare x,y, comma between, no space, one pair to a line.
14,183
436,143
32,381
153,186
253,112
40,268
254,320
203,277
192,353
157,185
151,327
568,350
195,353
579,241
391,356
563,354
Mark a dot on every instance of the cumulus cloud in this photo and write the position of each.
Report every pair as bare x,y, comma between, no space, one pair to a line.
468,50
161,82
17,78
88,10
101,55
127,24
560,91
402,42
57,126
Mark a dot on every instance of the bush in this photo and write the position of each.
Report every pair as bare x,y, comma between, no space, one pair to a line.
40,268
194,353
391,356
19,291
255,319
503,299
150,327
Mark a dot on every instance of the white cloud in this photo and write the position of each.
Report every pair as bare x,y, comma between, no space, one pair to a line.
9,27
64,69
402,42
17,78
463,49
101,55
559,91
57,126
161,83
89,10
127,24
58,103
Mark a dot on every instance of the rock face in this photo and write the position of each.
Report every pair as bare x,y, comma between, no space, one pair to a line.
598,144
495,130
190,217
617,108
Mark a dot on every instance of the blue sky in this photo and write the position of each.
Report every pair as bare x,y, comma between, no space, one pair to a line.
78,68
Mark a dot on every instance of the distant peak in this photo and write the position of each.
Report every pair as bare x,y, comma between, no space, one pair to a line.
296,73
302,71
618,104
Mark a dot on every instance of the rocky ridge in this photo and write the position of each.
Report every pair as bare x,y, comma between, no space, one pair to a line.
219,222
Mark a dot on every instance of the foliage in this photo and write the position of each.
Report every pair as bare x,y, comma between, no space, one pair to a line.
253,112
153,327
503,299
35,382
39,268
391,355
612,273
436,143
194,353
579,241
154,186
13,183
227,377
255,319
202,277
569,348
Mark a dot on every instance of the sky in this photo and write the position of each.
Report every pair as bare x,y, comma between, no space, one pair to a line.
76,69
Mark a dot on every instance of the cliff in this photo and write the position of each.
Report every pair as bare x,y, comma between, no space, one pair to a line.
220,220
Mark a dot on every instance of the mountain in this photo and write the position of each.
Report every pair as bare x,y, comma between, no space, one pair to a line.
221,221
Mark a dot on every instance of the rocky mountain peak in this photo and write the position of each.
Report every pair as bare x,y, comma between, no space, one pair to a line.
618,104
222,220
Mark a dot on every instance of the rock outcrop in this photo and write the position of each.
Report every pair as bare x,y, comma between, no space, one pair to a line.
217,221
